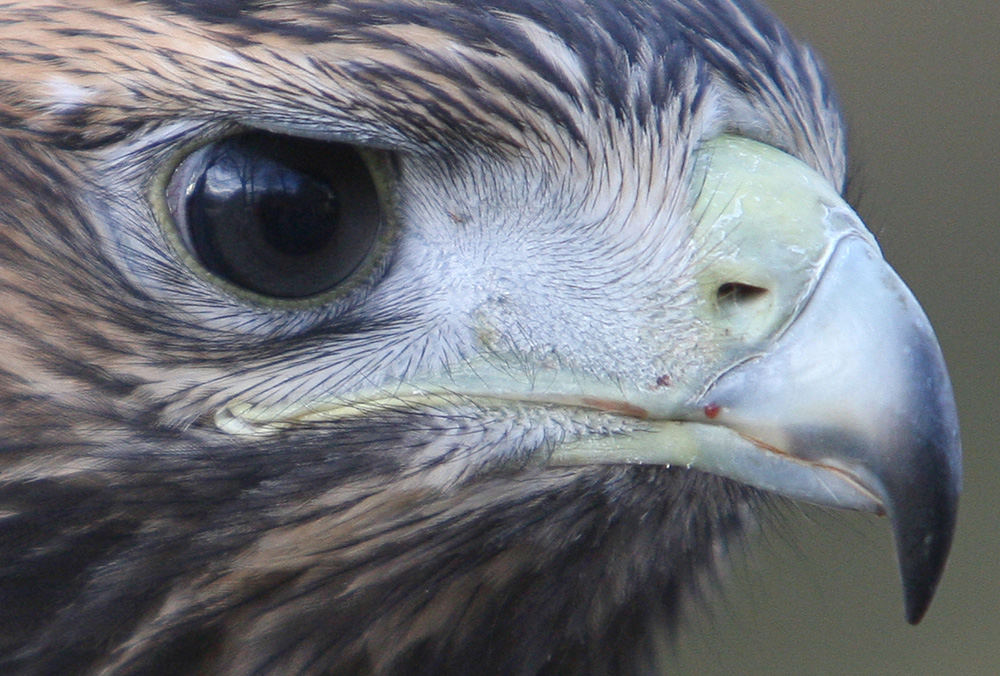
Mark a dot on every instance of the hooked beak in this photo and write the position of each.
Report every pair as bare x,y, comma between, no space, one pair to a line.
834,389
857,385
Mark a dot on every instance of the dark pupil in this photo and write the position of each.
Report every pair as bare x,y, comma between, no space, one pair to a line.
266,213
293,211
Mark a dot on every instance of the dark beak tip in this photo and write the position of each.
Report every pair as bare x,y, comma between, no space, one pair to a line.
924,490
918,593
920,581
916,606
923,543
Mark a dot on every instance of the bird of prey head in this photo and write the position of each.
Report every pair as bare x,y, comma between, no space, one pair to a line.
429,337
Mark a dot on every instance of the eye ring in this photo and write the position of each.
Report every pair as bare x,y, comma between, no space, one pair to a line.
278,220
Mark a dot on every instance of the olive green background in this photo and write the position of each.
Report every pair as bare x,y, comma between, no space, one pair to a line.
920,84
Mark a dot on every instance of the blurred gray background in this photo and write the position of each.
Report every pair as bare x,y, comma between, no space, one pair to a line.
920,84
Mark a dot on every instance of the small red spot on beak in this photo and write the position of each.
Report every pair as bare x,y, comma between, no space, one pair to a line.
712,411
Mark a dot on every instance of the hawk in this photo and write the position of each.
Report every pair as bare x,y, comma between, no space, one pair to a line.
433,337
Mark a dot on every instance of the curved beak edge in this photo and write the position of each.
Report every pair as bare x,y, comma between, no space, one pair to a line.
870,396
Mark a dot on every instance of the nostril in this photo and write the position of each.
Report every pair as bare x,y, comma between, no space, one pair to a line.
732,294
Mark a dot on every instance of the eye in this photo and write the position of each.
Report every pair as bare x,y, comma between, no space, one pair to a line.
277,216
